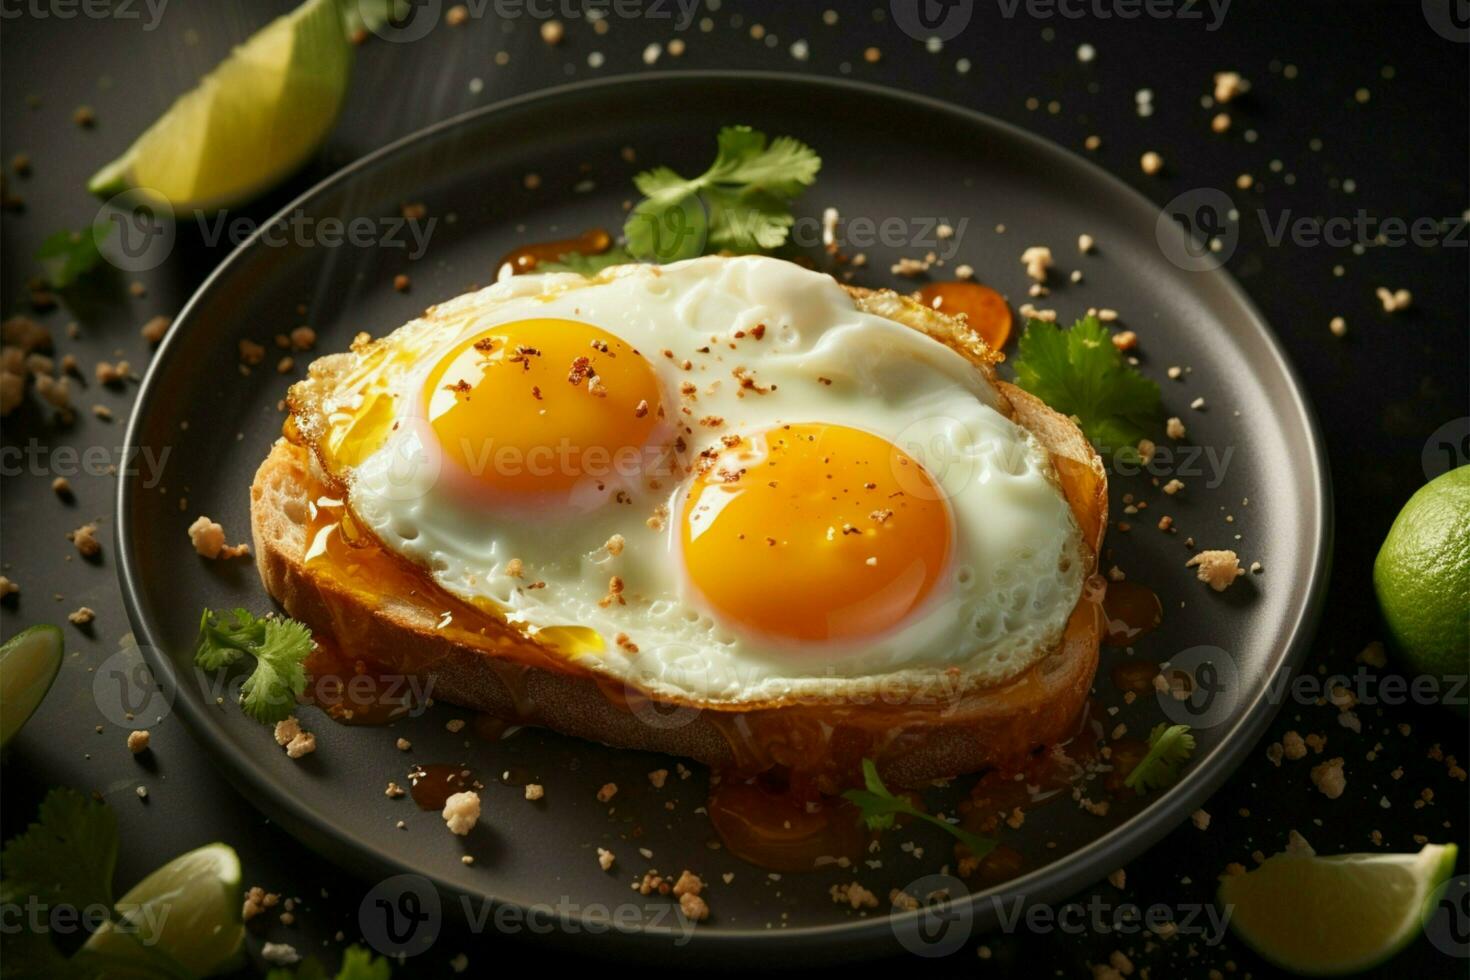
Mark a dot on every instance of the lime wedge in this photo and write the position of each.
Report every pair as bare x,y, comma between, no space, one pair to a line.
184,917
251,122
1331,916
28,664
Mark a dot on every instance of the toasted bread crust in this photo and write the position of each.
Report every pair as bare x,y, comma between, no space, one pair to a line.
931,735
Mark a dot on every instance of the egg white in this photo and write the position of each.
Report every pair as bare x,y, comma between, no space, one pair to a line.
1018,568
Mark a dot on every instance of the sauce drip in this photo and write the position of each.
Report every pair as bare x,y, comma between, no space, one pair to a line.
594,241
354,692
1135,675
433,784
984,308
776,827
1130,611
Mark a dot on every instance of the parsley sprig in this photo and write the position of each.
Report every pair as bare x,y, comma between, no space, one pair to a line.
357,964
1079,372
279,646
67,256
741,204
878,807
1169,747
66,859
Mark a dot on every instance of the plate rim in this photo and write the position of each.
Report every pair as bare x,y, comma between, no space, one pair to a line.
1049,882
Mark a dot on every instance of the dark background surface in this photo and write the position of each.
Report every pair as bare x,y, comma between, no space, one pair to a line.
1320,149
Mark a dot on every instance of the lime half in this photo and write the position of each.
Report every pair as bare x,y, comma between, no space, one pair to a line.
1331,916
28,664
251,122
184,917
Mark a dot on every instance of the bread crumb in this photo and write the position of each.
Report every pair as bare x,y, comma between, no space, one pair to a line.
1200,819
552,32
1173,487
1229,84
154,329
1125,340
1328,777
605,858
1151,163
1085,243
208,538
1037,259
1394,300
286,730
535,791
393,791
403,744
81,617
303,744
1338,326
8,587
138,741
1217,569
85,539
853,895
258,900
461,812
693,907
608,791
1174,428
658,777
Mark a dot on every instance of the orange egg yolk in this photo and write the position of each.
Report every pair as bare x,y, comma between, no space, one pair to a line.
537,407
814,533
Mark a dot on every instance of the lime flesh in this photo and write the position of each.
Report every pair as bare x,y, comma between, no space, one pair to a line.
249,123
1332,916
28,664
185,915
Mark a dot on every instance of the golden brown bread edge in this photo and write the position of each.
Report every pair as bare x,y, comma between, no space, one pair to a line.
938,733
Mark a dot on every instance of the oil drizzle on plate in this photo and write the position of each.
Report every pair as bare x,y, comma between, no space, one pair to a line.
435,783
1130,611
983,308
773,827
594,241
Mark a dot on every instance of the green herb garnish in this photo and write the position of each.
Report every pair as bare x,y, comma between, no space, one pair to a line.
280,648
588,265
357,964
741,204
68,255
1169,747
878,808
1079,372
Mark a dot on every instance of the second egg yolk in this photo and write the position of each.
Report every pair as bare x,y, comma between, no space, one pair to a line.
815,532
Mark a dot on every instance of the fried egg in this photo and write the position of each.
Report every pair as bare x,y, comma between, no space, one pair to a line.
722,480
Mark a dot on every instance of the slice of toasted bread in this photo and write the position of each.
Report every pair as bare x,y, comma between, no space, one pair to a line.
392,617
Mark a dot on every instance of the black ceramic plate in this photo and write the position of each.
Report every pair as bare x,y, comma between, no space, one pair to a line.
1258,485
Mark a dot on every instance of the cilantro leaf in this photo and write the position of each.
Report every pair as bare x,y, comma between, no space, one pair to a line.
740,204
357,964
588,265
280,648
67,856
1079,372
878,808
1168,749
68,255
